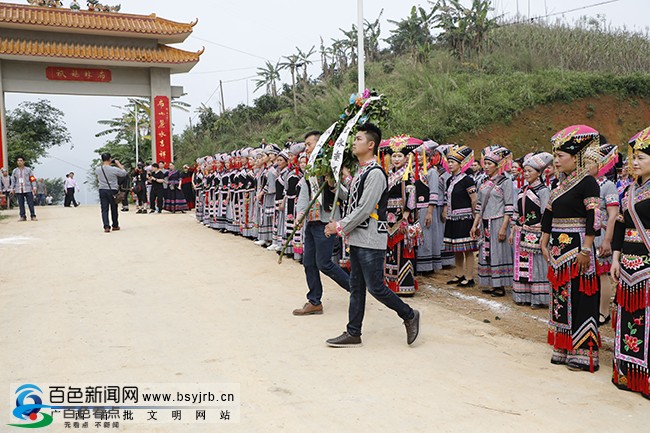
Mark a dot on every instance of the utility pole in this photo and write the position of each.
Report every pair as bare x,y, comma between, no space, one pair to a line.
361,53
223,104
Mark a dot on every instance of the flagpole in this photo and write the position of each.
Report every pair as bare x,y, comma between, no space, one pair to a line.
137,147
361,52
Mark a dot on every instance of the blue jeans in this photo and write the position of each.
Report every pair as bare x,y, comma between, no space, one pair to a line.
317,257
367,270
21,197
106,201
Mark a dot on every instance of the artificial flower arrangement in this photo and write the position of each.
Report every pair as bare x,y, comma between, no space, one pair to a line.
368,106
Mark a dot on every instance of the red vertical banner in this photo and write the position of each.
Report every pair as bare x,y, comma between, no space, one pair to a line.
163,129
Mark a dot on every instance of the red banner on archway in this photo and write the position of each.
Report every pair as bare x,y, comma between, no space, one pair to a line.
163,129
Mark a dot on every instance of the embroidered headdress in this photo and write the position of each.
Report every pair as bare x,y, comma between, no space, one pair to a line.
462,155
538,161
640,142
605,155
499,155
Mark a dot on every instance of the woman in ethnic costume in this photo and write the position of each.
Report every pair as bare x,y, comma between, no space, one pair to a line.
208,187
530,282
297,242
603,159
197,184
248,207
222,193
427,192
448,258
175,200
458,214
266,197
279,228
631,263
186,186
399,268
263,230
232,225
569,225
494,209
291,194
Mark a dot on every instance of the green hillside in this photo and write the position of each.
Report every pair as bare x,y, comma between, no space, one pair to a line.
450,87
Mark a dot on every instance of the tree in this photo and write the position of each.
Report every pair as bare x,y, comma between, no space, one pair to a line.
122,146
269,76
371,37
413,34
55,188
464,29
32,129
304,58
291,64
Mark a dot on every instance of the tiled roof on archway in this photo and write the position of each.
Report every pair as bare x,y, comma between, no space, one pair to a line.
162,55
102,23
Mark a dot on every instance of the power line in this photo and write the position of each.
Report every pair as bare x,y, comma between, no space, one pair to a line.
68,162
223,70
230,48
563,12
241,79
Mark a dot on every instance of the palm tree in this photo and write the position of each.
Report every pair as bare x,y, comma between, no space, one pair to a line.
304,59
371,37
291,64
269,75
350,43
413,32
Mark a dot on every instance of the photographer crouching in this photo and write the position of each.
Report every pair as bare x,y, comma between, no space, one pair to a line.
107,175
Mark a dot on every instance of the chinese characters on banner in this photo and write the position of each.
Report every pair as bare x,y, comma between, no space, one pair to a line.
162,129
58,73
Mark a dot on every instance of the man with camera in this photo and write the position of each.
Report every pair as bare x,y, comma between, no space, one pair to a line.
107,175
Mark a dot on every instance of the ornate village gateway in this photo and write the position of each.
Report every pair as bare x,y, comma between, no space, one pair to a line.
72,52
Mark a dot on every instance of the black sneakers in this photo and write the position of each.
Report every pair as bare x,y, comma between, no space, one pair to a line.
412,327
344,340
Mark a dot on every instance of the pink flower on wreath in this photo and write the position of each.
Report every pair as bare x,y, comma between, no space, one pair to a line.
638,321
632,343
632,262
555,251
391,218
530,237
366,94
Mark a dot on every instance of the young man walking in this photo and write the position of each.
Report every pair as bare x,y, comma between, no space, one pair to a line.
317,253
365,226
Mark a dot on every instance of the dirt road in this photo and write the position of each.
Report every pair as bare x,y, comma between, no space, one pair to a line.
166,300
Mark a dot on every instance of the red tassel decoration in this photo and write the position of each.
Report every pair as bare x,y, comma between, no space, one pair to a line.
417,168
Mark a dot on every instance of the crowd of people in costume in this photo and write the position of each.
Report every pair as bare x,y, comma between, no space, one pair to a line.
565,230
